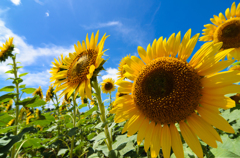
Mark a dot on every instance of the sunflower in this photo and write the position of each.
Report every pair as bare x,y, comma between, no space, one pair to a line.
38,92
108,85
56,67
165,90
11,122
225,29
9,105
121,71
79,67
49,94
6,49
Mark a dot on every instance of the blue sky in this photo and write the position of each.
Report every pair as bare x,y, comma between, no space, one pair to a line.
43,29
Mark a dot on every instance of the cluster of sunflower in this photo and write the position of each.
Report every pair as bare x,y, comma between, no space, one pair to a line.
161,94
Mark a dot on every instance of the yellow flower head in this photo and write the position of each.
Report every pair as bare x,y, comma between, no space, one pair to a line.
108,85
28,119
121,70
38,92
79,67
40,127
10,123
9,105
165,90
225,29
6,49
49,94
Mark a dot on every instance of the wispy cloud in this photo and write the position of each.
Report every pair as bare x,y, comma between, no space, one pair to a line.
47,13
154,14
110,73
133,34
16,2
39,2
101,25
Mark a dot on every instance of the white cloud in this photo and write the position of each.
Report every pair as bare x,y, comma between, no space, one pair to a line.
27,53
101,25
39,2
111,73
47,13
16,2
39,79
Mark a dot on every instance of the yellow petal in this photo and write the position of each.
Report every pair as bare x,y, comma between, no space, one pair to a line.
222,90
238,10
201,131
149,52
166,140
96,37
87,41
190,46
92,42
221,79
130,122
81,89
142,131
176,44
154,45
227,13
137,61
184,43
148,136
215,120
123,116
176,142
135,125
191,139
215,68
156,141
208,127
143,54
233,9
123,83
122,99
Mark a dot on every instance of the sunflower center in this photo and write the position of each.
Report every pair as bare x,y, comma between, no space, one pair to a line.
79,68
108,86
229,33
167,90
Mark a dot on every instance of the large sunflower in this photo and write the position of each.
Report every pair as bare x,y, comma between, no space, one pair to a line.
6,49
167,91
78,68
225,29
108,85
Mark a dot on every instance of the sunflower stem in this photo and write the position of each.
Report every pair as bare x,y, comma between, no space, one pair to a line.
102,110
58,113
110,97
74,124
17,100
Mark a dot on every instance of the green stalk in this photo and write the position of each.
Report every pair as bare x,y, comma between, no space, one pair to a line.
74,124
102,110
110,97
58,113
17,106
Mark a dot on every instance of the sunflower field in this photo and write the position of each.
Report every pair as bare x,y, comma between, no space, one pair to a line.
171,102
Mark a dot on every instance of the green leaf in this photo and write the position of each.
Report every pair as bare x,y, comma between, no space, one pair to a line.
72,131
22,86
7,89
17,80
113,154
32,102
6,129
99,137
129,146
17,138
7,97
28,90
81,106
23,74
237,63
18,67
4,119
34,142
46,122
69,125
10,72
10,78
90,136
62,151
89,112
